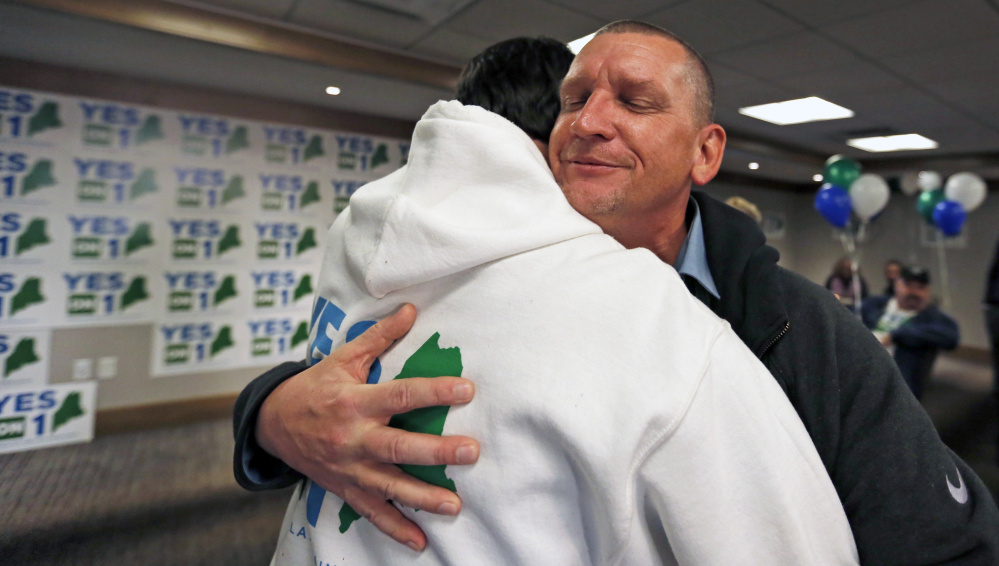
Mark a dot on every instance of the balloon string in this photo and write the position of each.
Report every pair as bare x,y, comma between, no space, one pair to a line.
942,261
849,241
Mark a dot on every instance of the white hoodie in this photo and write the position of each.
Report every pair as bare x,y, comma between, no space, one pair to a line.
620,421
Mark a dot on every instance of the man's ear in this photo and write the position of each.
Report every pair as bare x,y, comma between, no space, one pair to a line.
711,150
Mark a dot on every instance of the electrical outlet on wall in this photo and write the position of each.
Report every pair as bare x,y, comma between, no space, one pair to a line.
107,367
83,368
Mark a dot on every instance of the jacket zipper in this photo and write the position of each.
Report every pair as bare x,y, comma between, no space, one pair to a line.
787,326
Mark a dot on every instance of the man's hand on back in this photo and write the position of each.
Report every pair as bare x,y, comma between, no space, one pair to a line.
331,426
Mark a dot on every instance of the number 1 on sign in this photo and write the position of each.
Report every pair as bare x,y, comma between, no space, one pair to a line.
8,186
15,126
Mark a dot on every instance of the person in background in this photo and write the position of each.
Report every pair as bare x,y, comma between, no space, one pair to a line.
840,282
992,322
893,268
911,326
746,207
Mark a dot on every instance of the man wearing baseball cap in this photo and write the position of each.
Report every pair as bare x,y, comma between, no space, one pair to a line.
912,326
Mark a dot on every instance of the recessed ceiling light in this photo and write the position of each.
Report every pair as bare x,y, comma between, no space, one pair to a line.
817,177
578,44
811,109
893,143
754,165
333,90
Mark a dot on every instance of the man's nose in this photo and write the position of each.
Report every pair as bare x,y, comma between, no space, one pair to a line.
595,118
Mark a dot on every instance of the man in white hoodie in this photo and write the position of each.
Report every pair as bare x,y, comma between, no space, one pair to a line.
686,453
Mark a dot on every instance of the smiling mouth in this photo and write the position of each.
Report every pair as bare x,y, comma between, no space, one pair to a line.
593,164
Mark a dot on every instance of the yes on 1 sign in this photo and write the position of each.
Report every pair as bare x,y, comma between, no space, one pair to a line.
45,416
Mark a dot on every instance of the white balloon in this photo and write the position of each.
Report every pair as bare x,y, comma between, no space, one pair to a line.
868,195
930,180
966,188
909,183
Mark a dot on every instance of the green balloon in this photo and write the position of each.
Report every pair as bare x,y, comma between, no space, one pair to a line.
841,171
928,200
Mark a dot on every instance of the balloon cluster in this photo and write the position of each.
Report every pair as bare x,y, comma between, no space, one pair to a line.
846,189
946,206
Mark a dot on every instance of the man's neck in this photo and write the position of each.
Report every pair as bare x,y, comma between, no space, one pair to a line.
662,232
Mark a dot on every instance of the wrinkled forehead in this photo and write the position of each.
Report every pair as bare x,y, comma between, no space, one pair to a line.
628,57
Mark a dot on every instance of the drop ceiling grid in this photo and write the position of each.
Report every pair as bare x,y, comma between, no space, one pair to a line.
356,20
503,19
90,44
713,26
783,62
920,26
617,10
272,9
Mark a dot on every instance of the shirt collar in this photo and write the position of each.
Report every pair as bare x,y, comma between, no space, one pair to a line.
693,257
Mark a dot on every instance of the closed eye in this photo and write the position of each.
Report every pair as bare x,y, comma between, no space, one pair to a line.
572,103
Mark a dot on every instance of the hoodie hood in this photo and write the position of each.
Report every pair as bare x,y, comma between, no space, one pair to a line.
475,189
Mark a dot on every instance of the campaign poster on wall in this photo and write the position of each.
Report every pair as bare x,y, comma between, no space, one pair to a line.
24,357
211,228
47,415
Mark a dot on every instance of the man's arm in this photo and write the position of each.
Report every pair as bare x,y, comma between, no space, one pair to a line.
254,468
909,499
871,310
327,424
934,330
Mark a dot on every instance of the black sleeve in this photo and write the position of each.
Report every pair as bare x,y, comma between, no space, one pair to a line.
255,469
909,499
934,330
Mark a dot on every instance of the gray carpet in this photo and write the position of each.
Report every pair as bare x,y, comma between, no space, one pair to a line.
161,497
167,497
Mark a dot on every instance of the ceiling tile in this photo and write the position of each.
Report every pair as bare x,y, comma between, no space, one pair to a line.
965,136
503,19
905,110
355,20
617,10
751,93
977,95
859,76
275,9
920,26
724,75
450,45
802,52
61,39
823,12
826,137
967,60
701,23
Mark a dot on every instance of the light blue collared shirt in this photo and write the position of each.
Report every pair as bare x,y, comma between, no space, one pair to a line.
693,257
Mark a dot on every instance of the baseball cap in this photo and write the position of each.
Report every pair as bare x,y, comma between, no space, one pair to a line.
915,273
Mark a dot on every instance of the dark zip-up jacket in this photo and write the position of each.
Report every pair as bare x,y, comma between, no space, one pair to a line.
896,479
992,284
900,485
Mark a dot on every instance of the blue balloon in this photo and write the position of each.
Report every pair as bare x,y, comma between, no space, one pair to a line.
949,216
834,204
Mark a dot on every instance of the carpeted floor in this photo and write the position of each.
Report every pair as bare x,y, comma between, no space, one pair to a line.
167,498
151,498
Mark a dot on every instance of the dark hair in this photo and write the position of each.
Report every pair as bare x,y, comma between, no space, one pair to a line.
698,76
915,273
518,79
